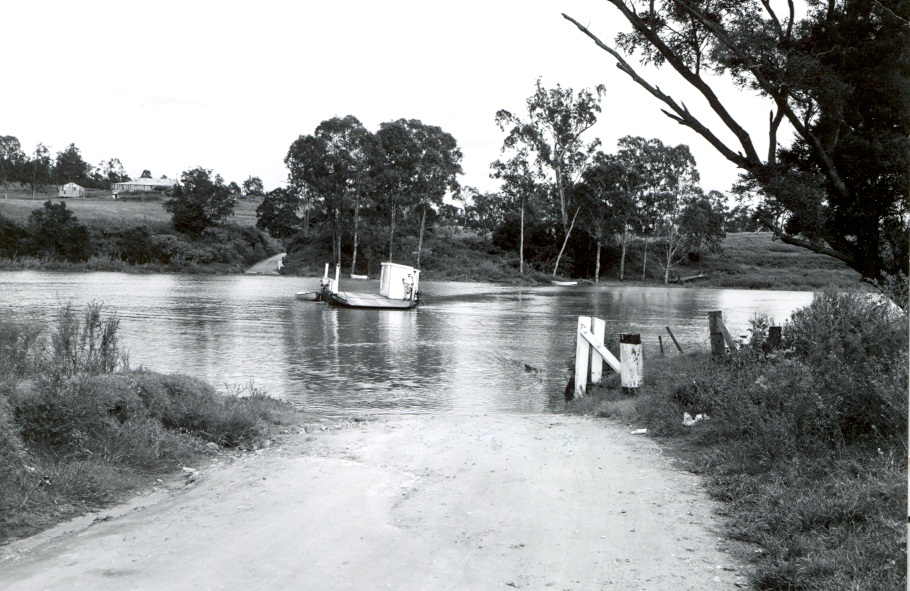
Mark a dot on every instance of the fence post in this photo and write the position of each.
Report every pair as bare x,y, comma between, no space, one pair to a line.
675,342
582,355
717,337
599,330
660,341
630,361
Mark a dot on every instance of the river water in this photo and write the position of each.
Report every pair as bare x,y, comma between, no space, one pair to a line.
469,347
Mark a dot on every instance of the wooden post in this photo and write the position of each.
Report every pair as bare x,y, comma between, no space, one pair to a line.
660,341
582,354
717,337
599,330
774,334
670,332
630,362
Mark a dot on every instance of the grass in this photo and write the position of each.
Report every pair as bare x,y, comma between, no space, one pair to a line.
101,208
805,447
79,430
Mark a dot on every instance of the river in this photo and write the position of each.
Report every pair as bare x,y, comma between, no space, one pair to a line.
469,347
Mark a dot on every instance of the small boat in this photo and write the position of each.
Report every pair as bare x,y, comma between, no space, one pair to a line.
360,277
564,283
398,290
308,296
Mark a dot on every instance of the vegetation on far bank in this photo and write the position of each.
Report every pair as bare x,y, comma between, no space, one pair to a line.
136,236
80,430
53,237
805,446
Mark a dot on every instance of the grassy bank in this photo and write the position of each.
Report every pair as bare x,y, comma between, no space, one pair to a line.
79,430
806,447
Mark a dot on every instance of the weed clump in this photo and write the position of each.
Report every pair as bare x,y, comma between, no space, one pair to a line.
79,429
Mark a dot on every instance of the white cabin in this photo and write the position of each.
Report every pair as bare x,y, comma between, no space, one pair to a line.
398,282
71,190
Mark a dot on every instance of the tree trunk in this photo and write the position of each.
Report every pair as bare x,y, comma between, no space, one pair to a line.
521,242
356,241
565,242
392,234
423,222
644,266
597,265
622,258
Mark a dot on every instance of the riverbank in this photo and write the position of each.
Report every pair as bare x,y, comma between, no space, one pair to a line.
79,430
135,236
421,502
805,447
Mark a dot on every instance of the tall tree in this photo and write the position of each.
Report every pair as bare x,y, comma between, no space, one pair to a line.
394,178
110,172
551,134
838,73
607,195
334,164
437,165
666,177
11,159
522,185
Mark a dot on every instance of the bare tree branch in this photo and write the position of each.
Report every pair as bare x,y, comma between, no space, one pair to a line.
779,96
682,115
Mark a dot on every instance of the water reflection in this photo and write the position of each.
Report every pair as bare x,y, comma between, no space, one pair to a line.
468,348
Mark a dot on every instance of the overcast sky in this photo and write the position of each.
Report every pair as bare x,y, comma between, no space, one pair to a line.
167,86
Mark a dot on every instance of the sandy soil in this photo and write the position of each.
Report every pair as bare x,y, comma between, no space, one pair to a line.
421,502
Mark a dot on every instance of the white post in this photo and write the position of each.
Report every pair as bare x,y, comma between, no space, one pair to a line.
582,353
599,329
630,361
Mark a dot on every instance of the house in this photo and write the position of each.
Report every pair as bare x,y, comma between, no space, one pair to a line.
142,186
71,190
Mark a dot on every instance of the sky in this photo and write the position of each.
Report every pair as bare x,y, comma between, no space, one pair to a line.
168,86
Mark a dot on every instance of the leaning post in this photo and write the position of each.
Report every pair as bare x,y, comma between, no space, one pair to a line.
630,361
582,355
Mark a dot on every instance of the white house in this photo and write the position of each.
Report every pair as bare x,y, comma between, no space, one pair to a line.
142,186
71,190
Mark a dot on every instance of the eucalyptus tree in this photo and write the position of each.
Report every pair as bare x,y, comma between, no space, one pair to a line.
666,177
606,192
394,172
836,75
551,136
437,164
332,163
521,185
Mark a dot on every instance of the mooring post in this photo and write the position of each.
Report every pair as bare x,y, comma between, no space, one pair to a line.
630,361
599,330
717,336
582,355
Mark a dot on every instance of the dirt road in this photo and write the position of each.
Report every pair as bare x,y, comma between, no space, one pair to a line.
269,266
421,502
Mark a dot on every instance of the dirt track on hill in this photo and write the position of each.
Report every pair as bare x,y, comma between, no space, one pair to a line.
419,502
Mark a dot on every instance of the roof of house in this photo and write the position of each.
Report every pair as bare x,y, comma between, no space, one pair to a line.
71,185
150,182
